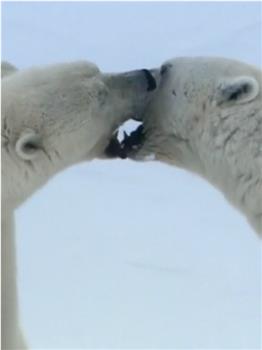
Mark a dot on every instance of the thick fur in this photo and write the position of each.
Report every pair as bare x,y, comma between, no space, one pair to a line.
56,116
53,117
206,117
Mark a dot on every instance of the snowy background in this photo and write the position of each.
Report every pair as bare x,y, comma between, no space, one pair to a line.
115,254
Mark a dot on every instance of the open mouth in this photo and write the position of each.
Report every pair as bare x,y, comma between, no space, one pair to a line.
122,146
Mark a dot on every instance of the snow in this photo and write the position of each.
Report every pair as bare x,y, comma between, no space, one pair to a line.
118,254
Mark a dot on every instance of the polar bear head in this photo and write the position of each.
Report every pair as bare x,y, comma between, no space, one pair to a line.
194,95
59,115
206,117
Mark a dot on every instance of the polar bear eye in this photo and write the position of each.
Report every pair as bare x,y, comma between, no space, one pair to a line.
165,68
28,145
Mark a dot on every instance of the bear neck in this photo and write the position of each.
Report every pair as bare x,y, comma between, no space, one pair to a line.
231,163
11,335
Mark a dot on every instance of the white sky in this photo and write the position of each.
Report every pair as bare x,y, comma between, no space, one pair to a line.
122,36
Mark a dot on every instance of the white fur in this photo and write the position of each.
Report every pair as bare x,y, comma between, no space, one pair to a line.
206,117
53,117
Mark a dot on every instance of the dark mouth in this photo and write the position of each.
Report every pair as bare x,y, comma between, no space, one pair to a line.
151,81
130,143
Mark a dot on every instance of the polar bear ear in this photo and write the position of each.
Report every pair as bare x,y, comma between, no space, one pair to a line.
28,145
241,89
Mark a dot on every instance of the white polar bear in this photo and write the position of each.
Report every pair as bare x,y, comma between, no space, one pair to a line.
54,117
207,117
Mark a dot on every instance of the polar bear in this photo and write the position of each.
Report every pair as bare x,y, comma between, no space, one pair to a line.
54,117
207,117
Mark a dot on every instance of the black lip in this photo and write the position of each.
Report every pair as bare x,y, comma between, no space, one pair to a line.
115,149
133,141
150,80
130,144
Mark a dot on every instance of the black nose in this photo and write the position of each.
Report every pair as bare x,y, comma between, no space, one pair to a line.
151,82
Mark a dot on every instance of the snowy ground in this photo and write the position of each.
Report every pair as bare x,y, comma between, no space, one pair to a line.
115,254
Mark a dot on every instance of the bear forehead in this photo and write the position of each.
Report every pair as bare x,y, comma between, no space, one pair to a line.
57,74
210,66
